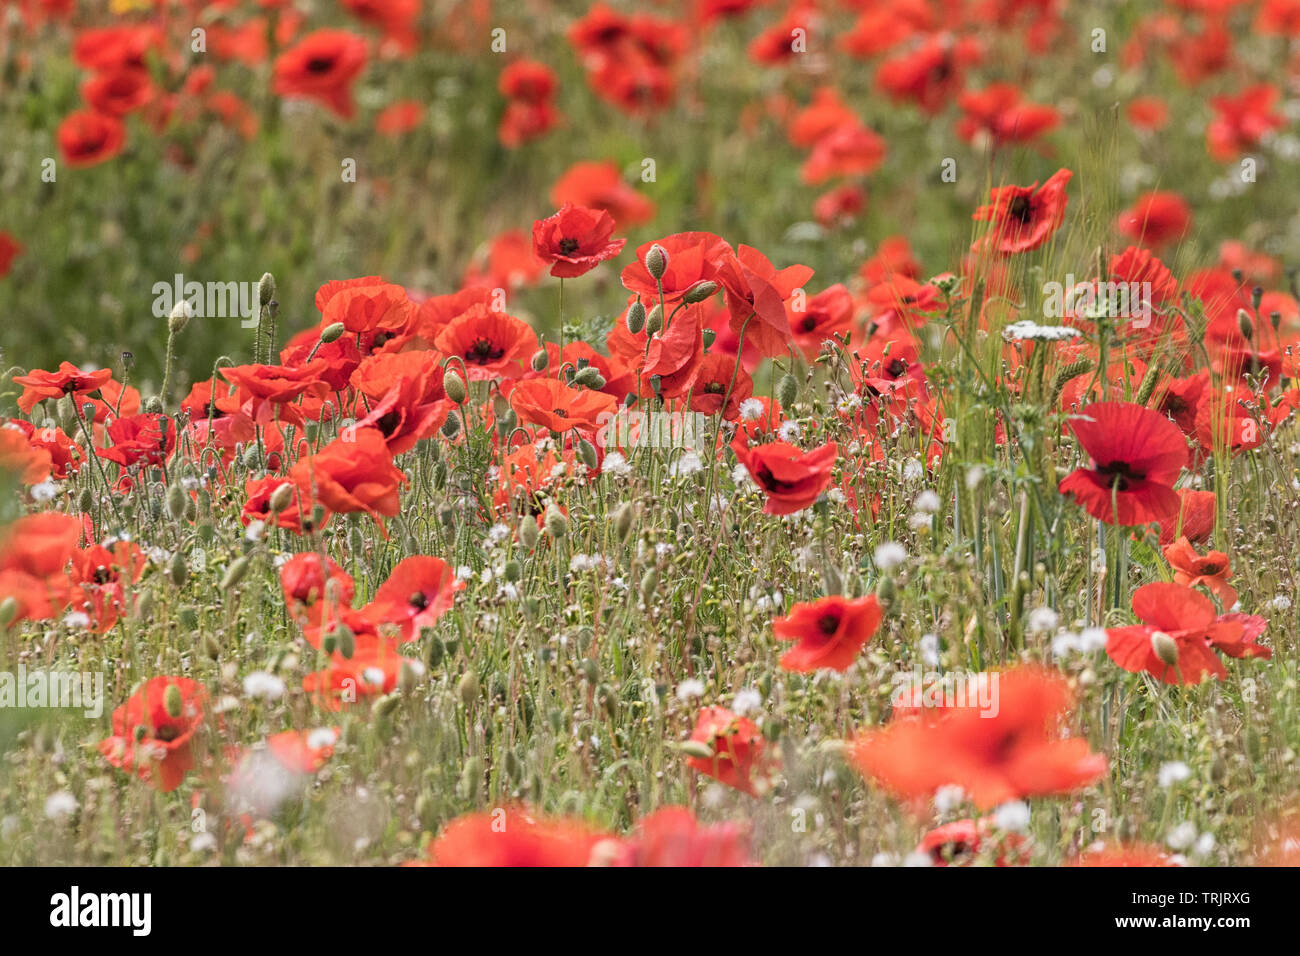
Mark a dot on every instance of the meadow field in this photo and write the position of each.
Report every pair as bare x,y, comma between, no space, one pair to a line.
707,433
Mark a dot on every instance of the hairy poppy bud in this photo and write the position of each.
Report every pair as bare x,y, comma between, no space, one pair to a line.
787,390
1165,648
467,688
176,502
557,525
451,427
656,261
699,292
347,641
454,386
886,592
649,584
541,359
235,573
697,748
332,333
211,647
588,453
635,317
513,571
590,378
282,497
529,532
180,316
266,289
8,610
178,571
173,703
655,320
623,520
1245,323
86,500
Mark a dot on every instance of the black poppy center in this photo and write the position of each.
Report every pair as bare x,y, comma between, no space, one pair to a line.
568,246
1120,473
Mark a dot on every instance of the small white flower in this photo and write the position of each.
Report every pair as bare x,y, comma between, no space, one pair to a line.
789,431
203,842
690,688
1023,330
498,533
263,686
1042,620
974,477
1182,836
750,409
1204,844
913,470
1281,603
1012,817
920,521
688,464
1175,771
373,676
59,805
464,572
76,619
1092,639
1065,644
322,737
255,530
44,491
930,649
747,701
949,797
928,502
616,464
890,555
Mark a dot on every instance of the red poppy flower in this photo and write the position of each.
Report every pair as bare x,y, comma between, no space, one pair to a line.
10,249
599,186
87,138
400,117
671,836
267,392
999,110
1210,571
113,48
146,439
120,92
831,632
295,517
792,479
738,751
1156,218
1179,635
1137,455
153,732
847,151
523,122
553,404
1240,122
1024,217
1195,518
492,344
840,205
514,837
693,257
368,307
961,842
509,263
39,385
575,240
1148,113
322,66
418,591
828,314
1125,855
756,289
1014,752
931,74
826,113
718,380
102,575
373,669
311,581
527,80
355,472
20,458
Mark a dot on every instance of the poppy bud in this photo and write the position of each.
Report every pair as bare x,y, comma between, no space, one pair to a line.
886,592
329,641
649,584
173,703
332,333
282,497
143,606
590,378
470,777
1256,297
178,570
588,452
468,688
451,427
235,573
656,261
347,641
700,291
655,320
1275,319
176,502
180,316
8,610
513,571
697,748
541,359
1245,323
1165,648
787,390
211,647
266,289
529,532
386,705
86,500
635,317
454,386
557,525
623,520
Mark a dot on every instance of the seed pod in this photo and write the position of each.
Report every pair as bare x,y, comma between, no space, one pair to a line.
433,656
511,765
707,336
427,812
211,647
454,386
787,390
178,570
635,317
180,316
332,332
235,573
143,606
385,705
590,672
